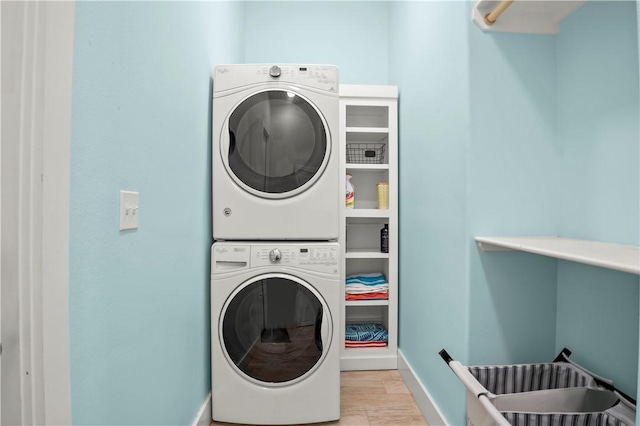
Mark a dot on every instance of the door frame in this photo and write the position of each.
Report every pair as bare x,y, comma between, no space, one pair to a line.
44,36
58,84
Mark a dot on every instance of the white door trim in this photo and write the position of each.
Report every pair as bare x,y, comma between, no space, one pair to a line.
58,76
0,234
38,63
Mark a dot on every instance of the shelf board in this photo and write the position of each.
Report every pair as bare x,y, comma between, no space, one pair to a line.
370,352
373,253
534,17
384,130
366,303
367,213
618,257
368,167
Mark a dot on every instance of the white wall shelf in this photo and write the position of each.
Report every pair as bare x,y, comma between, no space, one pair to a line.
369,114
618,257
526,16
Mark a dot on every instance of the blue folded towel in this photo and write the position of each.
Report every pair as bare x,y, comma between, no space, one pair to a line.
366,332
366,279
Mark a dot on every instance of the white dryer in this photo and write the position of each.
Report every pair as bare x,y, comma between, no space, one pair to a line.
275,152
275,339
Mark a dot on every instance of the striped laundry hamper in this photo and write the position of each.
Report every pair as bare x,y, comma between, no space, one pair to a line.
558,393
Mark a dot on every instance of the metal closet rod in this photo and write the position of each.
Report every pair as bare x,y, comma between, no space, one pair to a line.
490,18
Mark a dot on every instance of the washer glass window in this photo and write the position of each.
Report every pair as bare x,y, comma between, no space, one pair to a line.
277,142
271,330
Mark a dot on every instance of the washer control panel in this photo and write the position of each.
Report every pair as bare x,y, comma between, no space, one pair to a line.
322,258
319,257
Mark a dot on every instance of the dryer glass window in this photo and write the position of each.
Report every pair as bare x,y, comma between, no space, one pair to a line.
277,142
272,330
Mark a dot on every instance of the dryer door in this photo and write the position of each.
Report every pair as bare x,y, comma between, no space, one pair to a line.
275,329
275,144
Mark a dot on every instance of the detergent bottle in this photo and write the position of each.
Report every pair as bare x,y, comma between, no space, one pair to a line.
350,193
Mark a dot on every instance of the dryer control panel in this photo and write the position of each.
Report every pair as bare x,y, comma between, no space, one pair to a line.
323,77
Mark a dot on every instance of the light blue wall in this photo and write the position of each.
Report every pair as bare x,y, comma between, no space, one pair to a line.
351,35
598,321
512,175
599,134
429,62
139,300
598,122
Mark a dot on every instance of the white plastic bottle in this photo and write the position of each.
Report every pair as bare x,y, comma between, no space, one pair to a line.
350,193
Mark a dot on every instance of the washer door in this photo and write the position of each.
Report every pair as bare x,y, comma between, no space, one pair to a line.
275,329
275,144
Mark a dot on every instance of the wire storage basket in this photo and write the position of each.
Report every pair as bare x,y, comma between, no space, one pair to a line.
365,153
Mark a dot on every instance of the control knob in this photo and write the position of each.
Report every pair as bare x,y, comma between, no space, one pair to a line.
275,255
275,71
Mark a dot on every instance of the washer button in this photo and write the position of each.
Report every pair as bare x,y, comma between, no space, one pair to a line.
275,256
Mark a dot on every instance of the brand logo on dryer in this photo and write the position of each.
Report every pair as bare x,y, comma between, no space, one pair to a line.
221,250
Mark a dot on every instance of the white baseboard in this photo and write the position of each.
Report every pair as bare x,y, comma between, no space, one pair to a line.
204,416
430,410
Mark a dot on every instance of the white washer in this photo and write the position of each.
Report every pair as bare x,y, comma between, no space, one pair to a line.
275,339
275,152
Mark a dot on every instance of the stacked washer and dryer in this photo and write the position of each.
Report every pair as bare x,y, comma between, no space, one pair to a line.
275,266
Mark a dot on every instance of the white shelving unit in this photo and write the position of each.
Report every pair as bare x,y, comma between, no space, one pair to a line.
618,257
369,115
526,16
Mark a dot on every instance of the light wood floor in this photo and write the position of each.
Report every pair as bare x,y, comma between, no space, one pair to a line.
374,398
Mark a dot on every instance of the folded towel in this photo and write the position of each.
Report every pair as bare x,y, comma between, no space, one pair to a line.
366,289
368,296
366,279
361,332
350,344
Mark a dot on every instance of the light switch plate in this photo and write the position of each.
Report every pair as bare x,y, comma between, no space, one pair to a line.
129,210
